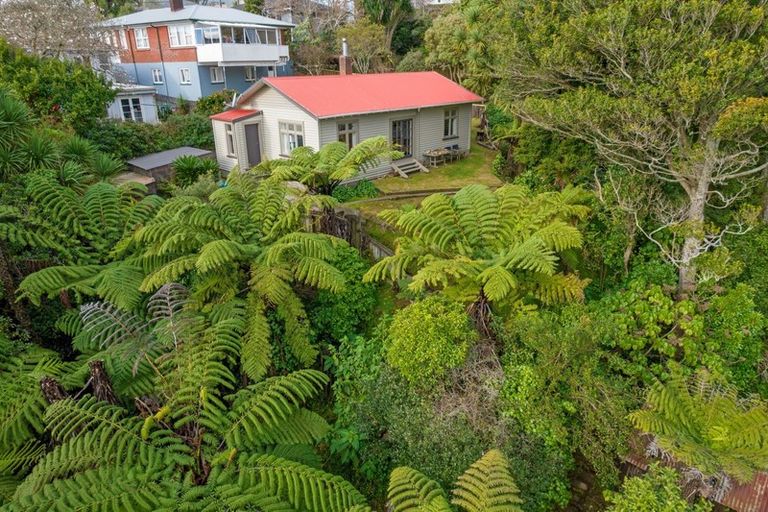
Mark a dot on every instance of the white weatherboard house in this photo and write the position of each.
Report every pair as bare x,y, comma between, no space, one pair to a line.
419,112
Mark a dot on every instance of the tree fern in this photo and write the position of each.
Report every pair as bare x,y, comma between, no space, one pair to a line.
499,246
706,426
324,170
249,228
486,486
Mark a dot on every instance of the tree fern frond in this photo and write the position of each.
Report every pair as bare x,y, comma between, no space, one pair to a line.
487,486
411,491
305,488
258,408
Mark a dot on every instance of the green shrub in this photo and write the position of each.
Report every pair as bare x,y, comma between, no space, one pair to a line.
188,169
363,189
129,140
656,491
428,338
334,316
214,103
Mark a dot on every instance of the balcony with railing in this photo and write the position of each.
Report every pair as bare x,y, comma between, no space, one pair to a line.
231,45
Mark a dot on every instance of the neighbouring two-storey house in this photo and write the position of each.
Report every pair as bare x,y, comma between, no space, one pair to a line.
192,51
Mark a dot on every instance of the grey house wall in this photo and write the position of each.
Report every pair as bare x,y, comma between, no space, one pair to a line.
427,131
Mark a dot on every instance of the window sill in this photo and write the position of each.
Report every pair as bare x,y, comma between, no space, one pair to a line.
185,83
217,83
452,137
158,83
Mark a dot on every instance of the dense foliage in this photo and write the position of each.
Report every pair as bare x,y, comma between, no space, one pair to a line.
526,346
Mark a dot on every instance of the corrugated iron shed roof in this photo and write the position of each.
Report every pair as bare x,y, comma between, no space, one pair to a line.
155,160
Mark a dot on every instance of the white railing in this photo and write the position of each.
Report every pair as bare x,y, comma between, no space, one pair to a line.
231,53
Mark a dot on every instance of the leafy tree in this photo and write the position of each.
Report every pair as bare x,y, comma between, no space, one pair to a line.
487,486
647,329
445,45
488,247
663,88
558,387
215,102
656,491
428,338
61,91
199,441
254,6
368,45
390,13
55,28
322,171
703,424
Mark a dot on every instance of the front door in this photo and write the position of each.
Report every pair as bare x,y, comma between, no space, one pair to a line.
402,135
253,145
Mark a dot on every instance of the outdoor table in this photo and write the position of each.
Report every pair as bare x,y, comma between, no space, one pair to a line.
436,156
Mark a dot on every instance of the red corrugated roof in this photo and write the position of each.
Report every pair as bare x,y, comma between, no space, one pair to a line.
339,95
235,114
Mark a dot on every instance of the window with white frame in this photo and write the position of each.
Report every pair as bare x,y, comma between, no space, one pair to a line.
291,136
250,74
181,35
157,76
131,108
123,40
208,35
348,134
185,77
217,75
266,36
451,123
141,37
230,137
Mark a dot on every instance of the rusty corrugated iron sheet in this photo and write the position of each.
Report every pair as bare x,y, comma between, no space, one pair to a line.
750,497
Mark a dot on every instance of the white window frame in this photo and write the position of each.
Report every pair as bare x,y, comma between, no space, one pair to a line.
215,71
135,112
229,137
254,74
291,136
181,35
157,76
451,123
188,73
347,132
141,36
123,39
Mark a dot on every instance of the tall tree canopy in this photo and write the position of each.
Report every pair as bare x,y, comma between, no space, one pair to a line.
656,86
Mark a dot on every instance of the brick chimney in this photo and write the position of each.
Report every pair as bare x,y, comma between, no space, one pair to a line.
176,5
345,61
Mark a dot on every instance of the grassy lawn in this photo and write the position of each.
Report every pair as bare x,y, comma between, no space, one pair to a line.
476,168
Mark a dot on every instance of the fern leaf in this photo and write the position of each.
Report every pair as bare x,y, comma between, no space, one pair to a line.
487,486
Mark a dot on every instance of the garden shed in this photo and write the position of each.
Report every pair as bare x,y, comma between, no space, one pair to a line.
158,165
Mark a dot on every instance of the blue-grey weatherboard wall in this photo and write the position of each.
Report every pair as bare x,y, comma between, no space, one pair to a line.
142,74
